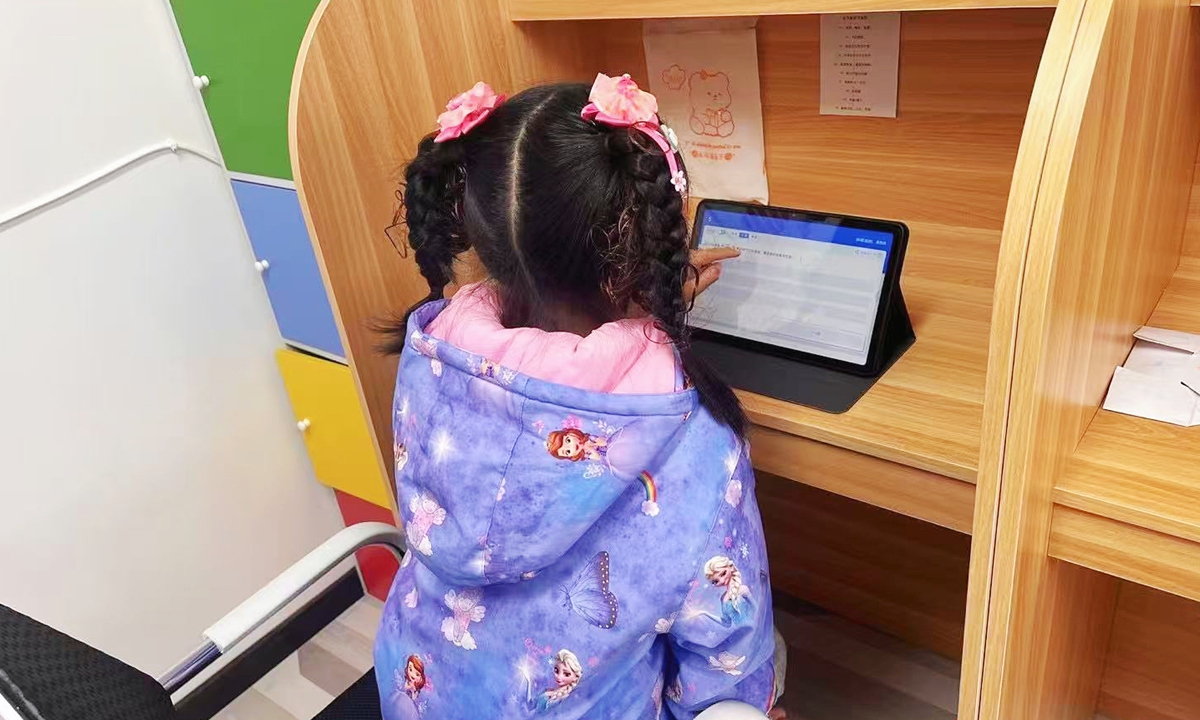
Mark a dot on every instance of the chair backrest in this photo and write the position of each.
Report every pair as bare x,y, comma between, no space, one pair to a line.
46,675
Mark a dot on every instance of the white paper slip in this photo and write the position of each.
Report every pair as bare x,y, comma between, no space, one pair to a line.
705,76
1160,379
1133,393
1169,338
860,64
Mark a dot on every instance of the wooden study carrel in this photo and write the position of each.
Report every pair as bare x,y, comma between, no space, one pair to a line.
975,501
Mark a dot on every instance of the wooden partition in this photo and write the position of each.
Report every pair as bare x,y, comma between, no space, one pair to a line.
1108,229
977,150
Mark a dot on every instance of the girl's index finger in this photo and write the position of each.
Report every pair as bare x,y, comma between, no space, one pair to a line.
708,256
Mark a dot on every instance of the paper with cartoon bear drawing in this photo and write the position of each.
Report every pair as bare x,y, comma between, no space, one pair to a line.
706,79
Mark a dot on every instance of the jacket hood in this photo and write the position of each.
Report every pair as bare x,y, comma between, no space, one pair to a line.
499,474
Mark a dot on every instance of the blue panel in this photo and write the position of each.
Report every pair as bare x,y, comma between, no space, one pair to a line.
276,227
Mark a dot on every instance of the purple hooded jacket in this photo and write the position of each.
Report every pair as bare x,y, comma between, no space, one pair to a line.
571,554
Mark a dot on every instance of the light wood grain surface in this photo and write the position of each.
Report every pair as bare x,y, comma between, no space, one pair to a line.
1191,236
1010,269
926,411
906,490
369,82
1152,670
1107,231
1126,551
585,10
1139,472
365,91
895,574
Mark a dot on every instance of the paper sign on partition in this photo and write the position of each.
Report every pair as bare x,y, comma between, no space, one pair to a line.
1160,379
705,76
860,64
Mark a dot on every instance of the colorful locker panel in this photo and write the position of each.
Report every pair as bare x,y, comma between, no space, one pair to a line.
247,48
272,218
377,565
329,414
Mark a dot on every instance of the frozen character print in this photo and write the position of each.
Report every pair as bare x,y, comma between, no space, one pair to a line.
588,596
406,702
426,513
575,445
464,609
568,671
735,594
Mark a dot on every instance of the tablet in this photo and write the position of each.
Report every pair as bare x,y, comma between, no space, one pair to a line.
813,286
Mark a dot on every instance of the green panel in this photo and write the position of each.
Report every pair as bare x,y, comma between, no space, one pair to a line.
247,48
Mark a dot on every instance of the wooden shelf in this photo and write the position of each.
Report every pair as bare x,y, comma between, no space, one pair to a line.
520,10
1129,499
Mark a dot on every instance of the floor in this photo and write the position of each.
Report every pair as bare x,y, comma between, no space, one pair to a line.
310,678
836,671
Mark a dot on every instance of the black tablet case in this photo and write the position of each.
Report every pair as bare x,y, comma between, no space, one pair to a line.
815,386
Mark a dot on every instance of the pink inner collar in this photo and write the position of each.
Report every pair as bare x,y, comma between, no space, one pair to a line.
627,356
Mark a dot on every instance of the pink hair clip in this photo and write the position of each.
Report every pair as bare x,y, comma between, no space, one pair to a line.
619,102
467,110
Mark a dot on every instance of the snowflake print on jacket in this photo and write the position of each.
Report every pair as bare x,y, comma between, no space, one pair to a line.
574,554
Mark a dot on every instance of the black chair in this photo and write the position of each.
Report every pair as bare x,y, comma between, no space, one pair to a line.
47,675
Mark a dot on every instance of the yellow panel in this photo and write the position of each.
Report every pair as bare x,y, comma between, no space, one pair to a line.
322,392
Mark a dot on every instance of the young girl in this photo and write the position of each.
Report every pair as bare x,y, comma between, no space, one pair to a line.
539,414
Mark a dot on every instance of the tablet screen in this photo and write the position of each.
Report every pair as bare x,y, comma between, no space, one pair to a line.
808,286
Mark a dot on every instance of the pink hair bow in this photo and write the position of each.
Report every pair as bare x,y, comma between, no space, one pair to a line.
619,102
466,111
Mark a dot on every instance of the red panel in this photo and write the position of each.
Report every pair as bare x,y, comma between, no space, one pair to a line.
377,565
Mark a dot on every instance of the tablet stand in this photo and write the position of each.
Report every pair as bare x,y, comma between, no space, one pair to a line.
796,381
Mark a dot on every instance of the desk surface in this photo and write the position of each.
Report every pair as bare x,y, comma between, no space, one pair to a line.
926,411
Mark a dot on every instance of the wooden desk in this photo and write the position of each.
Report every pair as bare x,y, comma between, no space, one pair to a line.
912,444
915,436
925,412
962,175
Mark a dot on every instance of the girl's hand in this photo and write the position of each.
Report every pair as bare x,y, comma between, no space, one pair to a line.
707,262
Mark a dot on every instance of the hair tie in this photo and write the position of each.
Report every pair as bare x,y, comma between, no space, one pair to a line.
467,110
619,102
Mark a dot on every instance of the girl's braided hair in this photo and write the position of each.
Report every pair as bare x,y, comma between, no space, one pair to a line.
563,213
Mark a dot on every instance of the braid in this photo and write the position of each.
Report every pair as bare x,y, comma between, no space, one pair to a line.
433,194
656,265
434,184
